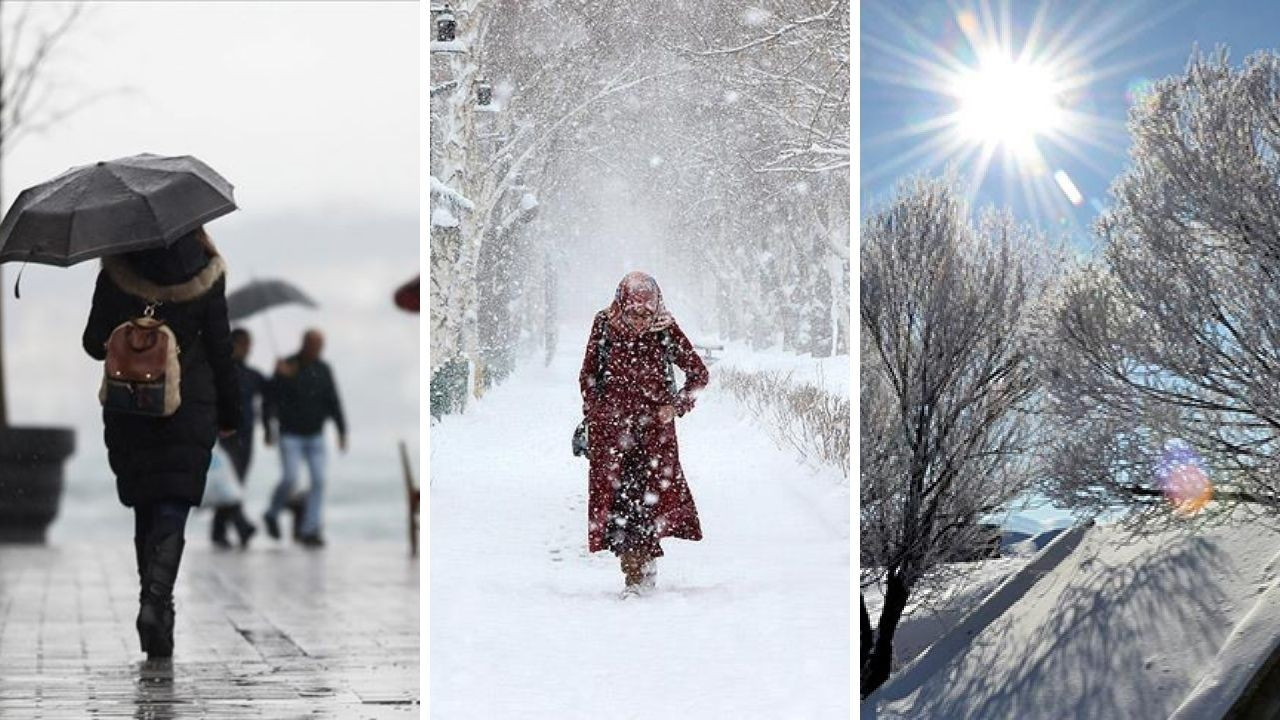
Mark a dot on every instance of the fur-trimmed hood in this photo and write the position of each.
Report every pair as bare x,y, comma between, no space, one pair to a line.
128,280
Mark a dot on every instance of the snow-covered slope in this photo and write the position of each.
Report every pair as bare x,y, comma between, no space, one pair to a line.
1122,628
752,622
931,615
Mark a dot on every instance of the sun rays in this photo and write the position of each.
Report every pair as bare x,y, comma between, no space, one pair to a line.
994,101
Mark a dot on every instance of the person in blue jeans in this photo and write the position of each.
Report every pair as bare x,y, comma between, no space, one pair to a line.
306,397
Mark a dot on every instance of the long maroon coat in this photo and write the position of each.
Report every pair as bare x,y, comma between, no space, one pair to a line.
624,419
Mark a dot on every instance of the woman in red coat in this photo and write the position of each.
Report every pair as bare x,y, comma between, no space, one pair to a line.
637,491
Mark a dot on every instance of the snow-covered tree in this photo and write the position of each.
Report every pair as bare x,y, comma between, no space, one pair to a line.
728,127
947,388
1172,334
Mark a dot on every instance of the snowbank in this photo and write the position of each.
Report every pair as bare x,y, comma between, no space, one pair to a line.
1124,627
927,618
833,374
1255,640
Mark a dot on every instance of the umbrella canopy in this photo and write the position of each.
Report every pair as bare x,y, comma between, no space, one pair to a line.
262,294
407,296
112,207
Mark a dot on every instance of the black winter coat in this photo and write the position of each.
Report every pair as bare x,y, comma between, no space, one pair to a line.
306,399
168,458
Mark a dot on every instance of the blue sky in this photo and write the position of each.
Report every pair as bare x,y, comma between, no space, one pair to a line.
1116,47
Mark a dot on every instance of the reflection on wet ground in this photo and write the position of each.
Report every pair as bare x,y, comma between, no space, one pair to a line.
272,633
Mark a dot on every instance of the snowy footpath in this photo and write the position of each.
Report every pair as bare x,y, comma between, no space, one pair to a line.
751,622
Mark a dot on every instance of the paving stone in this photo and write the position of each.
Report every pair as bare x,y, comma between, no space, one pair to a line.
276,632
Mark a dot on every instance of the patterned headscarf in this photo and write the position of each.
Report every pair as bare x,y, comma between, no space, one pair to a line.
638,288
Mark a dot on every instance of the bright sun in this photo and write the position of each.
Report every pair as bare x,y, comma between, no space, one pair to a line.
1007,103
981,92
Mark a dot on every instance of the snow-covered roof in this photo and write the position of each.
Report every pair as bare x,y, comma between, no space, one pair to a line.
1122,626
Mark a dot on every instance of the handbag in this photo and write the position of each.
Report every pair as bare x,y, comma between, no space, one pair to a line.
580,445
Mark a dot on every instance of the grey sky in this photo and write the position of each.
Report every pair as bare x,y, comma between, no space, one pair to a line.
299,104
311,110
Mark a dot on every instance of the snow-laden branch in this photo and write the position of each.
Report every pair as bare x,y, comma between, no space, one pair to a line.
458,199
612,88
767,39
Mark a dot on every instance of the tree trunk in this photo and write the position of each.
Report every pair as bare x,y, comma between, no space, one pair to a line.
866,632
877,668
4,400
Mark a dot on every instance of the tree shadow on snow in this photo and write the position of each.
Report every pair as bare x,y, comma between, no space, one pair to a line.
1106,647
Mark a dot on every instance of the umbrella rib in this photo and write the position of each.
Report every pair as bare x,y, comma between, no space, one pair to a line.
71,221
120,250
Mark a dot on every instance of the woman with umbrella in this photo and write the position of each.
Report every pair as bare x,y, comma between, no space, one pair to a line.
144,217
160,463
637,492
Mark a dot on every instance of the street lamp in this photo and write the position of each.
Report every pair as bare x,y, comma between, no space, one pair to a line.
446,25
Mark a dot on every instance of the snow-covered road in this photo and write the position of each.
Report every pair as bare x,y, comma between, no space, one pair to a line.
751,622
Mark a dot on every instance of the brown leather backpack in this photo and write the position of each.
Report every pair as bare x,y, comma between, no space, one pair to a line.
141,373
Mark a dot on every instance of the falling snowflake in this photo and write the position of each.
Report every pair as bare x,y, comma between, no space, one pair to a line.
755,17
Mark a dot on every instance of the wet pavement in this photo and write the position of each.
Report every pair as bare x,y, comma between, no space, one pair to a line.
275,632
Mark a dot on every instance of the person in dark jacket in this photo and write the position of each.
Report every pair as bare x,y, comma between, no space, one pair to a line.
255,391
306,397
160,463
637,492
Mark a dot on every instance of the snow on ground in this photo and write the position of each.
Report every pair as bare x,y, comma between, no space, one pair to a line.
1123,627
830,373
751,622
960,588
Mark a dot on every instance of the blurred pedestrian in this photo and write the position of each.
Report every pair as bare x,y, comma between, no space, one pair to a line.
161,461
637,493
306,398
255,399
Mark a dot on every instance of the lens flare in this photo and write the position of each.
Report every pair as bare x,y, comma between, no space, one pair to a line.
1137,89
1069,188
1183,478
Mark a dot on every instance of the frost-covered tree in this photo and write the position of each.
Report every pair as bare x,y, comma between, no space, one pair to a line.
1172,334
947,387
775,94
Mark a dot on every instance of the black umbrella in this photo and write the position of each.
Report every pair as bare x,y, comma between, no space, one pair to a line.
259,295
113,207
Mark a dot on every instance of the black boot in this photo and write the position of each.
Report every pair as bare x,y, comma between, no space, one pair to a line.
140,550
244,527
156,616
220,518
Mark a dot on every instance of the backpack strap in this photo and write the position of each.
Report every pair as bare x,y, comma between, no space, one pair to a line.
668,346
